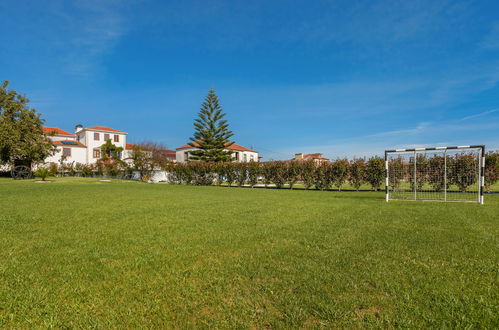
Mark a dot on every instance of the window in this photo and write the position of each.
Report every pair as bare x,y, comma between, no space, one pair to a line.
96,153
186,155
236,154
252,158
116,138
96,137
66,152
106,137
245,158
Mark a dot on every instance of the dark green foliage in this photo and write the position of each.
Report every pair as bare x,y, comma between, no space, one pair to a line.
292,173
436,175
323,176
491,169
240,173
375,172
398,171
22,140
279,173
307,173
267,170
421,169
358,169
42,173
340,171
463,171
212,134
253,169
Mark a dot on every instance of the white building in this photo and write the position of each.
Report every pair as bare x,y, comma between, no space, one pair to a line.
239,153
84,146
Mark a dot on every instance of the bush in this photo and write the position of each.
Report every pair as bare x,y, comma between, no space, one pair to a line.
375,172
307,173
42,173
339,172
358,168
292,173
491,169
323,176
253,169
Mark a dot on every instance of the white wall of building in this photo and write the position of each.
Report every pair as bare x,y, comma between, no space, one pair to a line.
237,156
78,155
88,138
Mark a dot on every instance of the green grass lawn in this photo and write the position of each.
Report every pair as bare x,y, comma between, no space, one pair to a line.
85,253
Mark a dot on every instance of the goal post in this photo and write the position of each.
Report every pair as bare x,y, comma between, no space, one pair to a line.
435,174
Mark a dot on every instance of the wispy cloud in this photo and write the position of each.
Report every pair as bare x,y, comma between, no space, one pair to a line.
92,29
481,114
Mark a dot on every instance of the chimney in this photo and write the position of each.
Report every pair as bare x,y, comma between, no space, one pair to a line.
299,156
78,128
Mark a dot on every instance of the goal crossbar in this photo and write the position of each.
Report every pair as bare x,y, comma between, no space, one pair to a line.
436,174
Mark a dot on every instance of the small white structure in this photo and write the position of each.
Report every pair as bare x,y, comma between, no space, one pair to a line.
239,153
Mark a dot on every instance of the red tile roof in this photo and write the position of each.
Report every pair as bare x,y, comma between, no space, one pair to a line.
233,146
55,130
69,143
315,156
104,128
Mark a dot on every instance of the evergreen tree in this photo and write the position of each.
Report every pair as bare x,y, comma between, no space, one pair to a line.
212,132
21,136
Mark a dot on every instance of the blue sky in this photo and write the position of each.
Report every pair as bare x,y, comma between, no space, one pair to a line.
345,78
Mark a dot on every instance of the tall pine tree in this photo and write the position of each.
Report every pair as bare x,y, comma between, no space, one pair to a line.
212,132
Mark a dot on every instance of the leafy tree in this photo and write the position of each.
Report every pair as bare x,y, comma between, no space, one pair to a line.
307,173
267,172
21,136
212,132
358,172
241,173
491,169
397,170
253,173
292,173
375,172
339,171
323,176
436,175
279,172
463,171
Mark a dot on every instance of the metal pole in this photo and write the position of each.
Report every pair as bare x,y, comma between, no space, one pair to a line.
414,182
481,174
386,176
445,175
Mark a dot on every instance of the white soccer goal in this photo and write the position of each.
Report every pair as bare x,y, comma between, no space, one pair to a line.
435,174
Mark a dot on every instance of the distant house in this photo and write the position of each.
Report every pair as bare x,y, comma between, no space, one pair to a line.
240,154
84,146
166,154
317,158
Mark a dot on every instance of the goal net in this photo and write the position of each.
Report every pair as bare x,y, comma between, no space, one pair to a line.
435,174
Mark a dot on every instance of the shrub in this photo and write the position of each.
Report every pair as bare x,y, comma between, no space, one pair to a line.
398,171
491,169
358,172
323,176
253,169
307,173
42,173
375,172
279,173
240,173
267,169
53,169
462,170
339,172
292,173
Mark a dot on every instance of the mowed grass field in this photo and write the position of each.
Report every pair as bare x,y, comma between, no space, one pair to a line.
85,253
